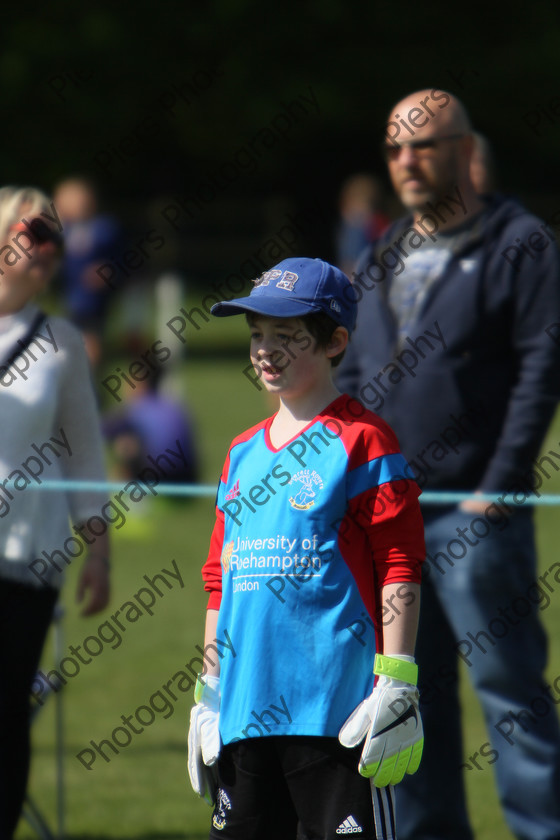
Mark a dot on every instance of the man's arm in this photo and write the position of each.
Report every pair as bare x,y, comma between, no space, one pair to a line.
535,305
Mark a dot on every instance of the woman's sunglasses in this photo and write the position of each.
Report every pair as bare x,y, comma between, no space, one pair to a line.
40,231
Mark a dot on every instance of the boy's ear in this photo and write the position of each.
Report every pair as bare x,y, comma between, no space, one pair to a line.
338,342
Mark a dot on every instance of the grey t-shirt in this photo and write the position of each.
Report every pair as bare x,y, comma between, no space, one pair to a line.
422,267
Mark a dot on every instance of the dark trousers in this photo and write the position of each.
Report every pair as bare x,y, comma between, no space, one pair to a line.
25,616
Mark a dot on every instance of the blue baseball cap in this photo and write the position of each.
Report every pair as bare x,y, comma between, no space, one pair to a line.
295,287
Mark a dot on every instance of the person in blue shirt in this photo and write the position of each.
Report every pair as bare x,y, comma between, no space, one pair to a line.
91,239
149,423
313,571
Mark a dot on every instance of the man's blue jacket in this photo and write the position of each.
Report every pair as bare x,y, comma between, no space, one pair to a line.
471,390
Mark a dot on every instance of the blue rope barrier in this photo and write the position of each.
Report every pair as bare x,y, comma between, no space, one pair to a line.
114,487
428,497
443,497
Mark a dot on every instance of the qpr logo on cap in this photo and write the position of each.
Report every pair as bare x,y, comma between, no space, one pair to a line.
288,281
267,276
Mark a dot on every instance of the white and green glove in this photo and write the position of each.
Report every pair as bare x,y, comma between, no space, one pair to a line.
204,737
390,722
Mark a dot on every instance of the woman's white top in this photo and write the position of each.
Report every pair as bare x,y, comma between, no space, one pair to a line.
49,429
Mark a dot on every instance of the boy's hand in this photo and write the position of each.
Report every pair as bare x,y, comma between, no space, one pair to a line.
390,721
204,738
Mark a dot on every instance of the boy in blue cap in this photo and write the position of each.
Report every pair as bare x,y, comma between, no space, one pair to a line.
313,574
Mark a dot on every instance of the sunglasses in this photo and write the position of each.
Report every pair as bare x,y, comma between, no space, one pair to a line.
422,148
40,231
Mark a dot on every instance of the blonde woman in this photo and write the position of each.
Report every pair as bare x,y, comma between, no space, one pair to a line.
50,430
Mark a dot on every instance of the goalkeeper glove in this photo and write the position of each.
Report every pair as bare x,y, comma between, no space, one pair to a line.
204,738
390,721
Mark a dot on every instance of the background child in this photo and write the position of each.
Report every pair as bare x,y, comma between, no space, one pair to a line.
313,572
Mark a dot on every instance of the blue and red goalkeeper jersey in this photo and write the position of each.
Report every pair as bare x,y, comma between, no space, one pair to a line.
305,537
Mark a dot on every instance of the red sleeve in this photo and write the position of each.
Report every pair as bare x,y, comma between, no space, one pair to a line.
212,569
386,517
395,530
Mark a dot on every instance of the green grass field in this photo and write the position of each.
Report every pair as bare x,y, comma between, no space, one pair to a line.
143,792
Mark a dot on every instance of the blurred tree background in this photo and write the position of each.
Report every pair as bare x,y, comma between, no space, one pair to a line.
163,100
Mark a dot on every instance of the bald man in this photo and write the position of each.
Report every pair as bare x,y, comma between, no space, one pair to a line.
454,347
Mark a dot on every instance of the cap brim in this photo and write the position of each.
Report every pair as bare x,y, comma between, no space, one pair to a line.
270,306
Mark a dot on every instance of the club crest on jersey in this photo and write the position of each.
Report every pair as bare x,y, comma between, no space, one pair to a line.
310,482
223,805
226,556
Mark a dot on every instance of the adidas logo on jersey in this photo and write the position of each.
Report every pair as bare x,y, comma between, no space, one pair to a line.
234,492
349,826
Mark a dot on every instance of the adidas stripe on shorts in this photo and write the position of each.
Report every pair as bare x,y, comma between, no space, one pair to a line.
298,788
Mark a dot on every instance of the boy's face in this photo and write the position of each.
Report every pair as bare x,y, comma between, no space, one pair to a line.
285,356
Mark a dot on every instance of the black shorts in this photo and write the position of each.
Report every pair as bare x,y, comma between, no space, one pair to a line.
297,788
